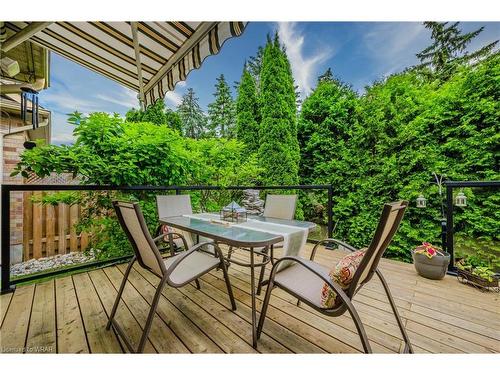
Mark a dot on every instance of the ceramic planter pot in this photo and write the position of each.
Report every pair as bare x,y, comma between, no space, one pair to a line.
431,268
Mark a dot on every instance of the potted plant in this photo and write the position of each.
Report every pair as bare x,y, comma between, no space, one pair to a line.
430,261
473,271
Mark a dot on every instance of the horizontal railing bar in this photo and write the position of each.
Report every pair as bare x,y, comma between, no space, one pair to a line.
456,184
51,187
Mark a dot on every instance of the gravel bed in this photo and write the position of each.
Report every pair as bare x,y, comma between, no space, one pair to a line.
48,263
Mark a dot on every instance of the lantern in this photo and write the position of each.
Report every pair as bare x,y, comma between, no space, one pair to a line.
421,201
461,200
234,213
28,94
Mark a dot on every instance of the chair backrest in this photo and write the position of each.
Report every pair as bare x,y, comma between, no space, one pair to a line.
173,205
133,223
280,206
391,217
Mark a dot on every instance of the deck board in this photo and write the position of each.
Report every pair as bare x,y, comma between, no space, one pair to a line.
42,327
107,294
71,336
94,317
69,314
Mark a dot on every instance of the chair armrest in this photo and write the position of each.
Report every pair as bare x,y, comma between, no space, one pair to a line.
338,242
340,292
172,234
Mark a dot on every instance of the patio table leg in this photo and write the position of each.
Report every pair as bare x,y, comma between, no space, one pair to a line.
263,268
252,283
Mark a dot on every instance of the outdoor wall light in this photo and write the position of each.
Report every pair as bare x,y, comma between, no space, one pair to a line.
461,200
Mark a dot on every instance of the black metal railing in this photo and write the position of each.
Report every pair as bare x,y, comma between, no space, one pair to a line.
7,285
449,234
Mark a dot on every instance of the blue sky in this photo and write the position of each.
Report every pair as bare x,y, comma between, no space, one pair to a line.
358,53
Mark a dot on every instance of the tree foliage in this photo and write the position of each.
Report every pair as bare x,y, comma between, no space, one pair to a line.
279,149
111,151
384,146
192,117
447,50
221,112
248,112
157,114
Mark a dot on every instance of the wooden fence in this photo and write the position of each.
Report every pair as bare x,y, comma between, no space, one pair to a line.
50,230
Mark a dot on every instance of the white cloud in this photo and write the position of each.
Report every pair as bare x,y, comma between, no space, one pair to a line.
125,98
304,68
61,132
173,98
393,45
64,101
62,138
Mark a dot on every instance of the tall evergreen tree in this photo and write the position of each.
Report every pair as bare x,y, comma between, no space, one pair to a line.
279,148
247,112
448,48
254,66
192,117
327,76
221,111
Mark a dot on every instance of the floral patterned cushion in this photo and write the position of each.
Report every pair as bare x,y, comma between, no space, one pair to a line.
341,274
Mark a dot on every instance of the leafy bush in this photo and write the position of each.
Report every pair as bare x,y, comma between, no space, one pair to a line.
384,146
111,151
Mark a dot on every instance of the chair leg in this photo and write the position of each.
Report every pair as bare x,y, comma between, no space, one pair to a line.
361,330
265,304
151,315
197,282
228,284
408,348
359,325
120,292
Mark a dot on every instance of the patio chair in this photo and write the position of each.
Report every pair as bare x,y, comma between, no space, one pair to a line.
280,206
176,271
168,206
277,206
306,279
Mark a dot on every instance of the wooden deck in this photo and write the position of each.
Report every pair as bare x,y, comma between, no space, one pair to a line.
69,314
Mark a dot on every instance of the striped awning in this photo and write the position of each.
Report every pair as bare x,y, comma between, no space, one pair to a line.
147,57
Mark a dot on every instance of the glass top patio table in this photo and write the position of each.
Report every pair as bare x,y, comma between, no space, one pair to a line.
233,235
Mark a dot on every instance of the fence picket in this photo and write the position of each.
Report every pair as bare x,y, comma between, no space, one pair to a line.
37,226
50,229
73,220
61,243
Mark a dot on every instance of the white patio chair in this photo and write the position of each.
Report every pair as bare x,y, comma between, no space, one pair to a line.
169,206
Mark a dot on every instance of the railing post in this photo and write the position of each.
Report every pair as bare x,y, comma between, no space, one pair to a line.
330,211
449,226
6,287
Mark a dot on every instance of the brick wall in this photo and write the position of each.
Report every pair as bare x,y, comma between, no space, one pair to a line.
12,148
